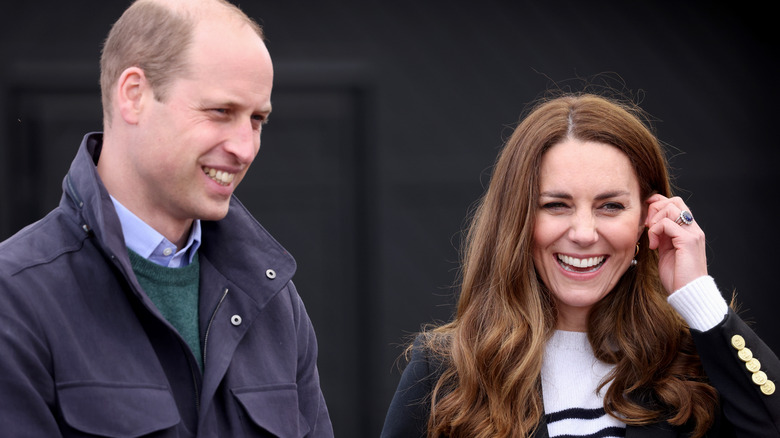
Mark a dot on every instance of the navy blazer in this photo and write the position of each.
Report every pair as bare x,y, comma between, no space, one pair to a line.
748,408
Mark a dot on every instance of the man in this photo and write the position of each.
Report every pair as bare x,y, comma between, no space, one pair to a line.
150,301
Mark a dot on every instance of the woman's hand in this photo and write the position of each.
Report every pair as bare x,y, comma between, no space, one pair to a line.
681,247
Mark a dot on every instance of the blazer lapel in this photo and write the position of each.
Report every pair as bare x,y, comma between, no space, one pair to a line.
656,430
541,431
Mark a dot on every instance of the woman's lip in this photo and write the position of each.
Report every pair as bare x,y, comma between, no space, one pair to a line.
579,267
581,262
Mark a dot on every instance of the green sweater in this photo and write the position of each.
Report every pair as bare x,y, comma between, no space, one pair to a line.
175,293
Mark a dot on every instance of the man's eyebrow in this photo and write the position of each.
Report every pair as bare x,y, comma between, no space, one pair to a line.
230,103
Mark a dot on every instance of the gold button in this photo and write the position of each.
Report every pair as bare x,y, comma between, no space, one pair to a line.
759,377
753,365
738,342
768,388
745,354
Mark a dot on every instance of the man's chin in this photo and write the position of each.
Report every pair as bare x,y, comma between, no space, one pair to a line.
214,214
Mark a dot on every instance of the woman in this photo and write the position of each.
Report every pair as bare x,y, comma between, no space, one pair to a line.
585,305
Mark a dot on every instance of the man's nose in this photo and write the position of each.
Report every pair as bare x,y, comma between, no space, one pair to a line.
244,142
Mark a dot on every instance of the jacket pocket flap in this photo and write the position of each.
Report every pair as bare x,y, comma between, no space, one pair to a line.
274,408
117,410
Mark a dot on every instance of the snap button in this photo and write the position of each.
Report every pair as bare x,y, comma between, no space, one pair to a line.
235,320
271,274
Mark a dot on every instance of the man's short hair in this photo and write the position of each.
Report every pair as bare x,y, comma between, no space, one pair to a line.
154,37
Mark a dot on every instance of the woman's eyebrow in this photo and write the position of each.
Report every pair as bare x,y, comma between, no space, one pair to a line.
557,195
613,194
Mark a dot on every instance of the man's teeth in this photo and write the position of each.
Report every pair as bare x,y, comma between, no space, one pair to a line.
591,262
219,176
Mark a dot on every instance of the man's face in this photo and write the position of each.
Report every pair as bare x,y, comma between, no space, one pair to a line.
197,145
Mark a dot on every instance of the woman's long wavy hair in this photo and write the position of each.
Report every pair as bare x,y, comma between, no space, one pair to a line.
492,351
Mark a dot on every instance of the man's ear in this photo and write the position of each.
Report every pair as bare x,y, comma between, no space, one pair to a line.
130,90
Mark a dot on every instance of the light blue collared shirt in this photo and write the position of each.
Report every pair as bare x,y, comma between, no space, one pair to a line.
153,246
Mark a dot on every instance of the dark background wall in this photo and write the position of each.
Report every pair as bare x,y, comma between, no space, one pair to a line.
387,119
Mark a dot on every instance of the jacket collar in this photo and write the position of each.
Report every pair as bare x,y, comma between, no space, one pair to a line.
85,195
244,252
238,246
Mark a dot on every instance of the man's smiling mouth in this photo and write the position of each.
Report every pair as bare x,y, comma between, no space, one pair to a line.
222,178
573,264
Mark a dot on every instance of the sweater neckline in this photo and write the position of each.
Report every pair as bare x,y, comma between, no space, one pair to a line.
568,340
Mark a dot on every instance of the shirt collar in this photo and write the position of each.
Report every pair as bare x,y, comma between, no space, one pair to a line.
153,246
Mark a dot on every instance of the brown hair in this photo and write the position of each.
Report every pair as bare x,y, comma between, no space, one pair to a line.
492,351
154,37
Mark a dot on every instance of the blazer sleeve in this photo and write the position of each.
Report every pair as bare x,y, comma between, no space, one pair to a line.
744,370
407,416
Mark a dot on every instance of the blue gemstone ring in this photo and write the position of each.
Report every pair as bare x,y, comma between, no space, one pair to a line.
686,218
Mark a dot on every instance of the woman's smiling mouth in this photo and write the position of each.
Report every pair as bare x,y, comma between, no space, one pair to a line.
573,264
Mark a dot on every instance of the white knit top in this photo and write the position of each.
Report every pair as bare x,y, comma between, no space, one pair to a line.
570,376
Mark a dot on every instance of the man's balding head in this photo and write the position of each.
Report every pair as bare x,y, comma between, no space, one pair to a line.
155,36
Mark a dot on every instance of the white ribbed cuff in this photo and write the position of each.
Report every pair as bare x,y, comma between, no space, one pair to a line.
700,303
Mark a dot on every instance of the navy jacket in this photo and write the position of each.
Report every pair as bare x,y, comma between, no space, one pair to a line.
84,352
745,411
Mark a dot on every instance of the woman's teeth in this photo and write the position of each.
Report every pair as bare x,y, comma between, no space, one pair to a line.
580,265
219,176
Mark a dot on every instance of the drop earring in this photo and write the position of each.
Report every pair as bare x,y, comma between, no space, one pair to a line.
636,251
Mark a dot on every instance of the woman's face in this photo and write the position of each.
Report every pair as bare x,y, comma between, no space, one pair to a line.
589,219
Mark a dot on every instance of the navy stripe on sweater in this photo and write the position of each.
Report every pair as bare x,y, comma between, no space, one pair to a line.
578,413
585,414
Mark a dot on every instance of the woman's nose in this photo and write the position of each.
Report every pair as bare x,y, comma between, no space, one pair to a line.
583,229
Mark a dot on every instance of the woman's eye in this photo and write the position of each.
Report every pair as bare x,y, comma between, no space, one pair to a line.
554,206
613,206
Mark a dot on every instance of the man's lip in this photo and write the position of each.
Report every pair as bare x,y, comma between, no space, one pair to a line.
221,177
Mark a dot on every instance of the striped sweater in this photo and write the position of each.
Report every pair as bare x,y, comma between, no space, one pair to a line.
570,376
